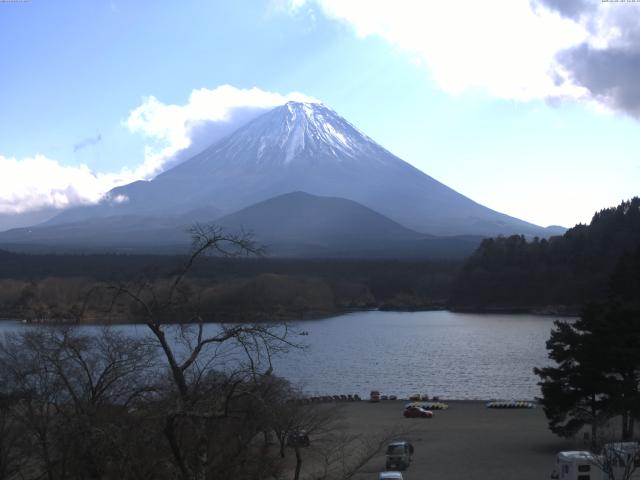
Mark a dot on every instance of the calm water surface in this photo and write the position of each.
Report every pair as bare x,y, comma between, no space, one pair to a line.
452,355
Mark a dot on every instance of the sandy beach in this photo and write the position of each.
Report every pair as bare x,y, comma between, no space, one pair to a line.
467,441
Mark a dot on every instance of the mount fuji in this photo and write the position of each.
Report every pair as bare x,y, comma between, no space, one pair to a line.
297,147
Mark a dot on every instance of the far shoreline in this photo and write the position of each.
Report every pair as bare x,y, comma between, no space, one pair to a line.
565,312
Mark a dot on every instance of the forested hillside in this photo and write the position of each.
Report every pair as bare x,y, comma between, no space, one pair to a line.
560,273
48,287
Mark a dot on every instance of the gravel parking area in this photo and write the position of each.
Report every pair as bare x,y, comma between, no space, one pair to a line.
467,441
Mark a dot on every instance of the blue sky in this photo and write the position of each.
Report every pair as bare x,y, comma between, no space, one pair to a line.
486,122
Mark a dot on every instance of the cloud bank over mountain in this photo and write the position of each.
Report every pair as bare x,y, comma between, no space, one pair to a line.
178,132
174,133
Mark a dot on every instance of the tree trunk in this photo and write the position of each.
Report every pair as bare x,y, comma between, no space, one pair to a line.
625,426
169,431
298,464
176,371
282,440
203,458
47,459
594,424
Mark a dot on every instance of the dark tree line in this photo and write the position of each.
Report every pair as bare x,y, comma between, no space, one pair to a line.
597,374
111,267
229,289
570,270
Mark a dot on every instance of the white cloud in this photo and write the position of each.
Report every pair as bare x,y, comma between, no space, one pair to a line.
38,182
175,132
507,48
502,46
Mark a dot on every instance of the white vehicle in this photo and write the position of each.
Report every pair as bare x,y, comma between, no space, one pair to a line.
621,459
390,476
577,465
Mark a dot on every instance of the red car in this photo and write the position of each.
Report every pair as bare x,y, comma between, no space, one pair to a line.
417,412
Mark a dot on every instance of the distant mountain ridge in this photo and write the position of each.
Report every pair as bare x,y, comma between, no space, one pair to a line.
296,224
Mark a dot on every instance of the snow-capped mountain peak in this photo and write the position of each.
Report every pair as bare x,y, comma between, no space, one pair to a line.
315,123
293,133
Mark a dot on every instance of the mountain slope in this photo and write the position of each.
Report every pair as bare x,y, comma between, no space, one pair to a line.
292,225
305,147
302,224
119,233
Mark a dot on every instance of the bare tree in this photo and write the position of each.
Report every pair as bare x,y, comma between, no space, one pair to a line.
68,388
240,354
184,400
11,436
341,456
298,424
618,460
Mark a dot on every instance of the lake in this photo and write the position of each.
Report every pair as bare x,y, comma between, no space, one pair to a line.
451,355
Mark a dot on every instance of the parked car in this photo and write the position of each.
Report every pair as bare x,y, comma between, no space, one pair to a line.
374,396
413,411
390,476
298,439
399,455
